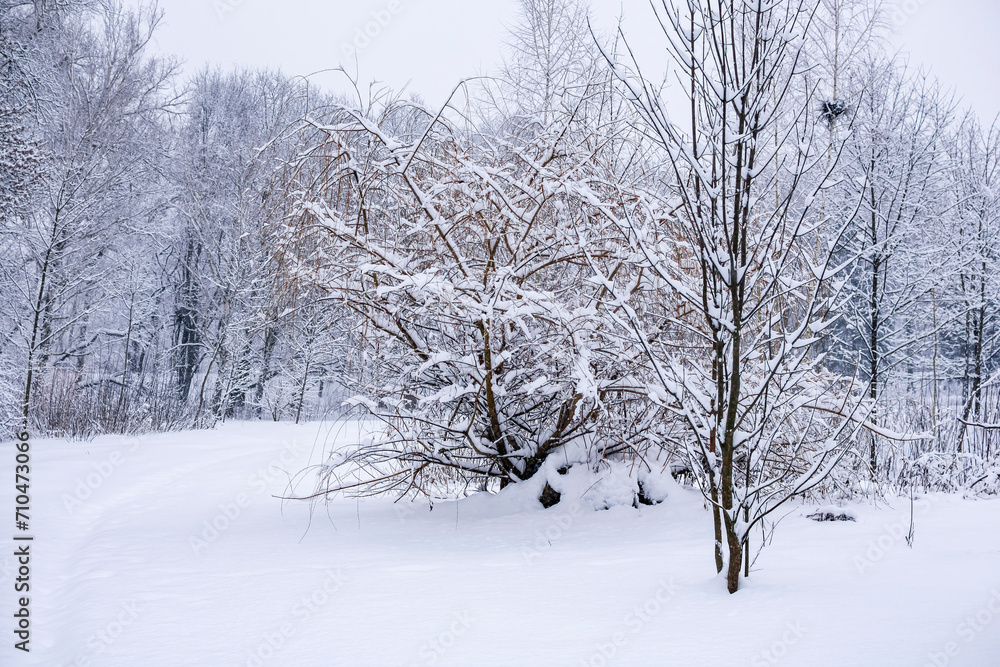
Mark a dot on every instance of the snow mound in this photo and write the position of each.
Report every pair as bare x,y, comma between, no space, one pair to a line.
613,484
832,513
988,484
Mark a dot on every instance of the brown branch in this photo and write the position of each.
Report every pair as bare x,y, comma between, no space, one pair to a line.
979,425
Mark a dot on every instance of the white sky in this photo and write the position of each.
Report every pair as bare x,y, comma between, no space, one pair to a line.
432,44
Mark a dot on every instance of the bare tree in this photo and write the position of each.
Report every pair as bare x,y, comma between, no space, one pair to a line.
735,241
896,168
235,139
100,138
975,155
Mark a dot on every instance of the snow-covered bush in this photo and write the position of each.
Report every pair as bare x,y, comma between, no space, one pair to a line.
463,259
951,472
989,482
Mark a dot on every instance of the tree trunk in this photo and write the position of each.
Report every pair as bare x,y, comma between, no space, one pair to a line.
873,342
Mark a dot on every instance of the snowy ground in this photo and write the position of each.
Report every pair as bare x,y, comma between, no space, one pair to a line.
129,570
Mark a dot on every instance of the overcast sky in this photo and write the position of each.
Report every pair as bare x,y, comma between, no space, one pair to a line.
431,44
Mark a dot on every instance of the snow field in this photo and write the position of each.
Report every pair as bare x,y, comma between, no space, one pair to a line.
171,550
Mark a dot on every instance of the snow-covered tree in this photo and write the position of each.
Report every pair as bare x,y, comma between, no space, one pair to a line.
735,242
100,135
975,155
894,166
460,246
236,135
20,169
484,347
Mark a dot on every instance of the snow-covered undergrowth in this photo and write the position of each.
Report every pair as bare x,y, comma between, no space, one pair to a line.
172,550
